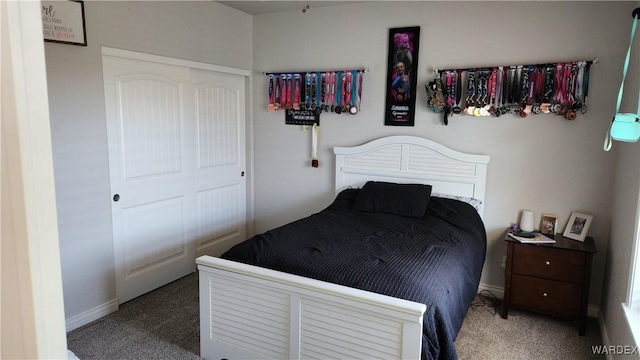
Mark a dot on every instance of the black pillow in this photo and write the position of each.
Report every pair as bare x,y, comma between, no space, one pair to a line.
345,198
399,199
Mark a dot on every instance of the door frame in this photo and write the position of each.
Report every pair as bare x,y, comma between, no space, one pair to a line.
31,276
134,55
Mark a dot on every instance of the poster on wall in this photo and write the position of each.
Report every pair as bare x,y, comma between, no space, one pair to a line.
402,74
63,22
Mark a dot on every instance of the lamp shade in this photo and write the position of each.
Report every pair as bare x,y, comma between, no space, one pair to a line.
526,221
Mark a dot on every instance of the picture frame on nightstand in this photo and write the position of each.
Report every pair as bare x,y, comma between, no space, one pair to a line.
578,226
548,224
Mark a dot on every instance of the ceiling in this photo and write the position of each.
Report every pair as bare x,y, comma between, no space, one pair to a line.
268,6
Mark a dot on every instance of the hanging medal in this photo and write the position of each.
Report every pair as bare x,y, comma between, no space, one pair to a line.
565,84
447,95
458,91
539,89
289,102
573,104
450,90
344,92
347,92
579,94
327,91
498,97
296,94
478,97
307,91
484,100
315,129
354,92
493,81
318,91
557,88
272,99
323,94
277,91
523,91
585,85
547,94
333,91
470,107
283,91
314,91
528,100
338,109
360,75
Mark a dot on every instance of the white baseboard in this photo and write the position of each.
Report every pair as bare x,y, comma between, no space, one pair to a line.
498,291
592,310
88,316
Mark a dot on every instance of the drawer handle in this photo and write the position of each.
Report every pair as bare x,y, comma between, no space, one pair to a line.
547,263
544,295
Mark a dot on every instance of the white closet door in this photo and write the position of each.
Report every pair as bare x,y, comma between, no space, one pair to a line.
220,185
177,161
151,168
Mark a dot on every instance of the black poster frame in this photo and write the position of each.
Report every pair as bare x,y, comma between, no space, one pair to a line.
402,75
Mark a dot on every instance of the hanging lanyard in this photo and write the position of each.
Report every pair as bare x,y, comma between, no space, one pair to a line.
470,93
296,97
360,76
458,75
271,106
283,91
338,108
327,91
333,91
317,79
607,140
481,89
585,85
347,91
307,91
493,80
354,93
539,89
498,101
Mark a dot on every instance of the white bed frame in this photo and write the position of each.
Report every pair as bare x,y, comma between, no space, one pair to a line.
248,312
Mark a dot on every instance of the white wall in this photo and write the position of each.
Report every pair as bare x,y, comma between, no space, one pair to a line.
207,32
543,163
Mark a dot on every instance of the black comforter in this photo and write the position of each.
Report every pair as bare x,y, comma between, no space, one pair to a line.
435,260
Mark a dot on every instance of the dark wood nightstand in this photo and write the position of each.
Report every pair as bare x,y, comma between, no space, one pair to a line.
550,279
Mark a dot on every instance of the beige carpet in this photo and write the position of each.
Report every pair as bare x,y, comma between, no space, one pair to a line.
524,335
164,324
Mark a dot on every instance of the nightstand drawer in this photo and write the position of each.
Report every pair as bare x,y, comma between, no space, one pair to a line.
553,297
548,263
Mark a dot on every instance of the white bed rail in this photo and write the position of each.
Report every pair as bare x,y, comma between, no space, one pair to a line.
248,312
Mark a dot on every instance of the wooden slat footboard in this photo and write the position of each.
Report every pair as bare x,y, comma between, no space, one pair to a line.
248,312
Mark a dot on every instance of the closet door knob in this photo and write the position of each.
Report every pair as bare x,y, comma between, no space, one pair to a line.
116,197
242,174
544,295
547,263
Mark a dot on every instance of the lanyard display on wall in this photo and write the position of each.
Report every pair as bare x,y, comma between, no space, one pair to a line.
335,91
523,90
305,95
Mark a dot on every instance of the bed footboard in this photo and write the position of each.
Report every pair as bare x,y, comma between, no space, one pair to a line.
248,312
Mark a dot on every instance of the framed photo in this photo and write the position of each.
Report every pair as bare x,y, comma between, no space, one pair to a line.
578,226
63,22
548,224
402,75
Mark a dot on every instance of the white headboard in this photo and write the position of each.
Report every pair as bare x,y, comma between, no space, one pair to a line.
412,159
